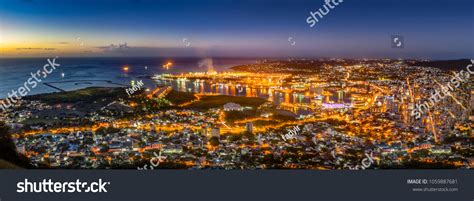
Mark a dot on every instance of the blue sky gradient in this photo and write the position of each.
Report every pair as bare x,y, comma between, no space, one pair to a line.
432,29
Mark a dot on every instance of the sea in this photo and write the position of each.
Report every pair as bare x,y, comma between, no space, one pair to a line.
77,73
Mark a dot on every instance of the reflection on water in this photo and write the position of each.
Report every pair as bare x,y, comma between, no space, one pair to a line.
277,97
299,102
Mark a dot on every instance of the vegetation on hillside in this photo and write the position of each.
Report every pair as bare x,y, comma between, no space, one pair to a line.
177,97
8,155
87,95
208,102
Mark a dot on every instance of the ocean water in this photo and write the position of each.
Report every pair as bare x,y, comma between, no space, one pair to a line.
106,72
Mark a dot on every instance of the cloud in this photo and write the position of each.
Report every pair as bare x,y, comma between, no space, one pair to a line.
120,48
138,51
35,48
28,48
63,43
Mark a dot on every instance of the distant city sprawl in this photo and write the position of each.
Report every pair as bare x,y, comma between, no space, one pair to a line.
315,114
446,90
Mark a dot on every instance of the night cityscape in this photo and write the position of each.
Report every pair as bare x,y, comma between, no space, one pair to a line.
140,85
240,119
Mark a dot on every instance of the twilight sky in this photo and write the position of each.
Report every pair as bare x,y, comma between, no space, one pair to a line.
432,29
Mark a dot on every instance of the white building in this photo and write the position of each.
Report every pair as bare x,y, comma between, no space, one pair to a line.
232,107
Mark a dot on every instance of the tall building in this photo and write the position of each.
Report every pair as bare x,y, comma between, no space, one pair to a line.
249,127
392,105
135,145
204,131
340,96
215,132
472,105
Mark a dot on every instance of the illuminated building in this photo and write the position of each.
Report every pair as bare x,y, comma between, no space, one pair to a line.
204,131
215,132
340,96
249,127
232,107
472,104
